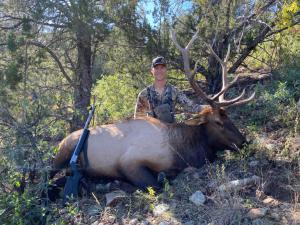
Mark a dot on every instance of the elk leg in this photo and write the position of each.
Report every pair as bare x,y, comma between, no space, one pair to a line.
161,177
140,176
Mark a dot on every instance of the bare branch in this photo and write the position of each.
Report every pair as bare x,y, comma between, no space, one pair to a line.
55,57
192,41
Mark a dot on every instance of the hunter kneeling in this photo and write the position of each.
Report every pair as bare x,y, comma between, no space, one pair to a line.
159,99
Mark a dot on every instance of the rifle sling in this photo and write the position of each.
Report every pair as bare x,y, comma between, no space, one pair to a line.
85,161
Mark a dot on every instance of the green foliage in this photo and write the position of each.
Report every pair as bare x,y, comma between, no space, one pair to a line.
11,42
26,26
12,74
288,11
116,96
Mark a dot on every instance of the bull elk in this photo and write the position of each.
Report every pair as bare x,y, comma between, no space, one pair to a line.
137,150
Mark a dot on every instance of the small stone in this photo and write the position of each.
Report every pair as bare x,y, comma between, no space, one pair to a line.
271,201
112,197
111,219
198,198
160,209
257,213
133,221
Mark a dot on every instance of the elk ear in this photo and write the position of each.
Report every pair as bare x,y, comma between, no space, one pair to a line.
196,121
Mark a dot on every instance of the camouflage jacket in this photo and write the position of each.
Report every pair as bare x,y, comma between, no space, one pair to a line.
148,99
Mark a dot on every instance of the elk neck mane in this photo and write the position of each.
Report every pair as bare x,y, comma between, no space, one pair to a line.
190,144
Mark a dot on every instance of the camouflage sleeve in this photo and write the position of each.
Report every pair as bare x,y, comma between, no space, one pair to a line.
142,104
188,104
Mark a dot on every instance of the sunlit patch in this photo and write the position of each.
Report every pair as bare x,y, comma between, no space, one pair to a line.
115,131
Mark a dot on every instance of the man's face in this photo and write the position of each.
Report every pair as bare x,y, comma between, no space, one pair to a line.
159,72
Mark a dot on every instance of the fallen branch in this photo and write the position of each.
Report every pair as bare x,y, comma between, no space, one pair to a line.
236,185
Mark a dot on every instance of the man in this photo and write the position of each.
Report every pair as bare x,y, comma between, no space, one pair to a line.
158,100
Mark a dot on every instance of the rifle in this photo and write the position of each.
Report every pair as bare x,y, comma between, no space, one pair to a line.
72,184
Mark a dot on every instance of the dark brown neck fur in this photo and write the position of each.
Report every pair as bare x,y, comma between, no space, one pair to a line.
190,145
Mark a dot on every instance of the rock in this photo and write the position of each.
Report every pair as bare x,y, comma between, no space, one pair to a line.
112,197
257,213
270,201
95,223
111,219
160,209
133,221
254,163
198,198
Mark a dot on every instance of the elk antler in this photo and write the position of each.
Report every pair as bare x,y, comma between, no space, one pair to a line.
225,85
187,69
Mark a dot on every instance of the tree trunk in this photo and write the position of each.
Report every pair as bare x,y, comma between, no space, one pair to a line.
83,77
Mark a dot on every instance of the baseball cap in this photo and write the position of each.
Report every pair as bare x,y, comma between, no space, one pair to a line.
159,60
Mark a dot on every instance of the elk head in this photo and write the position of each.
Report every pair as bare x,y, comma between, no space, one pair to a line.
221,129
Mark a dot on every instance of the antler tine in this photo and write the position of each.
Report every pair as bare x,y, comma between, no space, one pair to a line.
229,102
190,75
226,88
199,91
224,71
227,54
243,101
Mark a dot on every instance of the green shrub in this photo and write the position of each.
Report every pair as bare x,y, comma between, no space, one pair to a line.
116,96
